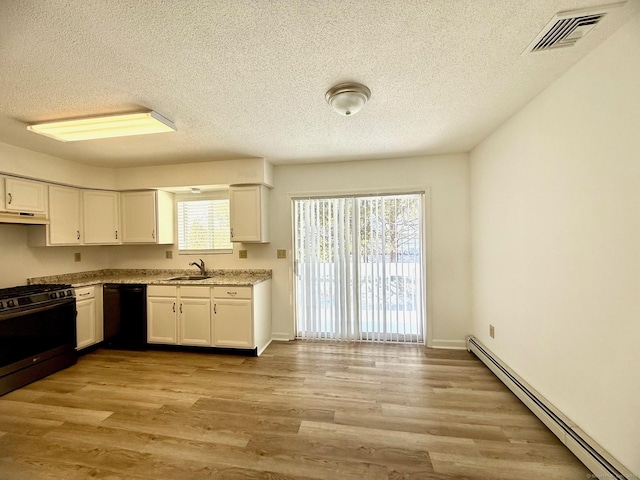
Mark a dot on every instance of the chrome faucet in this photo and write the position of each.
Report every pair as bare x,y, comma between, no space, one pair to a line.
200,265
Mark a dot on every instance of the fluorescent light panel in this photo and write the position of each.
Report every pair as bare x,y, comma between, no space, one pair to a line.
104,127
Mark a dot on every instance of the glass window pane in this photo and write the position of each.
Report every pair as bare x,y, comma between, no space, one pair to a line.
204,225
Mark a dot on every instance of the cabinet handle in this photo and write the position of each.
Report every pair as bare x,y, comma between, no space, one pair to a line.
78,236
231,230
232,293
153,234
84,294
180,308
174,307
10,198
116,234
215,312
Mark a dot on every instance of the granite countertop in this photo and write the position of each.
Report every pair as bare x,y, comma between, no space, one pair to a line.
155,277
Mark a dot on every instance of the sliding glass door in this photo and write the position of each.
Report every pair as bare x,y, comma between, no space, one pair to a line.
359,268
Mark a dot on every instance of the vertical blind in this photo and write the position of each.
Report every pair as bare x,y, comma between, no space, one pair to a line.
359,268
204,225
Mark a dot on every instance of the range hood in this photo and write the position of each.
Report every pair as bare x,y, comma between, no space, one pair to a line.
24,218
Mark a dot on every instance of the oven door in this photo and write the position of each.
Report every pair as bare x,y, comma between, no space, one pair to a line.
36,333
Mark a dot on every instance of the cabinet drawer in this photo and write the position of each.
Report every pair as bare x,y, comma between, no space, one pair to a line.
162,291
231,292
195,292
85,292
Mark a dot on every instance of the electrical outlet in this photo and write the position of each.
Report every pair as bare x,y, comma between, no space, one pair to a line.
168,254
242,254
492,331
77,257
282,253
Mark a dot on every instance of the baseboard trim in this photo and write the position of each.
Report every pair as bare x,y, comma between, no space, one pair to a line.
281,337
449,344
601,463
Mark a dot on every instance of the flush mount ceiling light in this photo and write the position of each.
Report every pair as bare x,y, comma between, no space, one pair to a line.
348,98
121,125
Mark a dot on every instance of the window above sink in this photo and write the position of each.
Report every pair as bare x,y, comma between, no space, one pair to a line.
203,223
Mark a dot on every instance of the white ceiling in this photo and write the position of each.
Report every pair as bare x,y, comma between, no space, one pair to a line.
244,78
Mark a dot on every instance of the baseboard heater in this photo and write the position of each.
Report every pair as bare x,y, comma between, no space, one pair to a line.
594,457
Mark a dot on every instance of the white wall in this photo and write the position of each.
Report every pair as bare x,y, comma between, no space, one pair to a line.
446,178
26,163
18,261
221,172
555,209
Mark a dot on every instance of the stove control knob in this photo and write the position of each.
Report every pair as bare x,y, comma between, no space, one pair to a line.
10,303
69,293
53,295
1,305
61,294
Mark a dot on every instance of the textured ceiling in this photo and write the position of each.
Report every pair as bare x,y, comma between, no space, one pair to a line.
247,79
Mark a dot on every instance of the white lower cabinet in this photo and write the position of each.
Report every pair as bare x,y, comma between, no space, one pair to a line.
202,316
195,321
232,319
179,315
161,318
89,317
242,316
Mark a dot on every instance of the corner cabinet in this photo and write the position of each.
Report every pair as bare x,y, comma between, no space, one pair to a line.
147,217
242,316
248,212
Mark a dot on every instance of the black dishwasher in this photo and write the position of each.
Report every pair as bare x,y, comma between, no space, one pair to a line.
125,316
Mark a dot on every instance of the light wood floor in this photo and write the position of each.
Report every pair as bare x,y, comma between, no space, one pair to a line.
300,411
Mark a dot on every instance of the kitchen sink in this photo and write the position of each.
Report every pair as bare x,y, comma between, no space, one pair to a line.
190,277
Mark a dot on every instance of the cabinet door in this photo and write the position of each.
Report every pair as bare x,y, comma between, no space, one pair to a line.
3,204
247,212
139,217
64,215
195,321
101,217
25,196
161,320
85,323
232,323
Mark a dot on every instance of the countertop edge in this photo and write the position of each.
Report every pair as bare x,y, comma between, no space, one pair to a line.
156,277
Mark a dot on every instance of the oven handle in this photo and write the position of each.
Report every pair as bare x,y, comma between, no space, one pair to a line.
36,309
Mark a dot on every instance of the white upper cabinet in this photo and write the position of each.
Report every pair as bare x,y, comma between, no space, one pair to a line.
147,217
79,217
25,196
248,211
64,216
101,217
3,202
